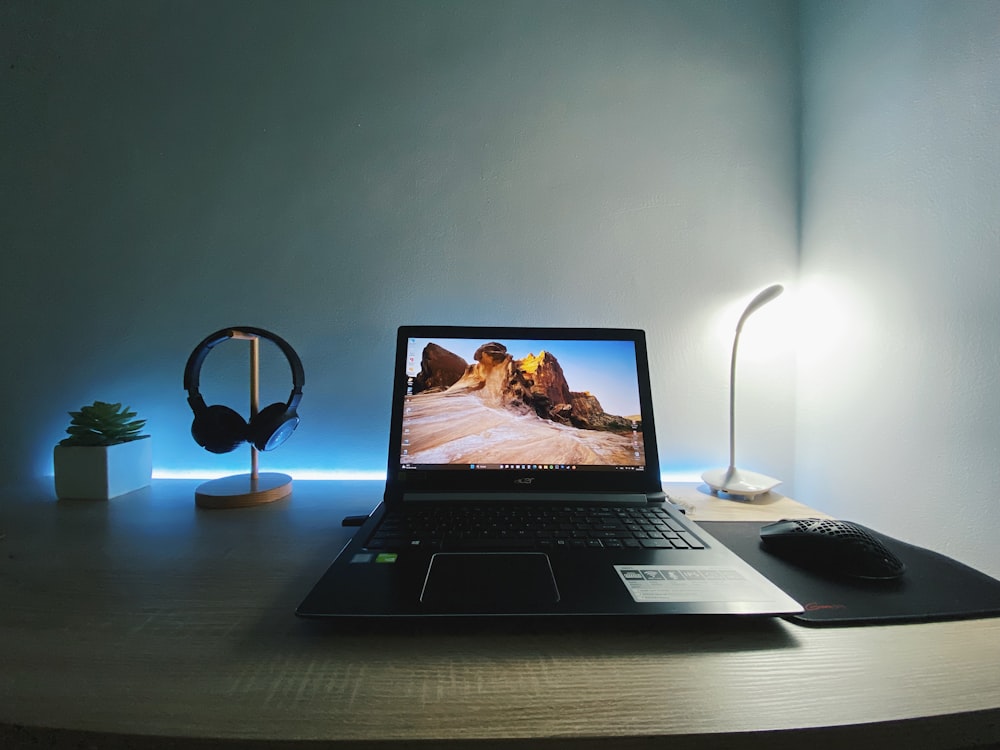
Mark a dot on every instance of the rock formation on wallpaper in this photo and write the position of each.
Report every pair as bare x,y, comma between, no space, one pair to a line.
498,410
533,384
439,369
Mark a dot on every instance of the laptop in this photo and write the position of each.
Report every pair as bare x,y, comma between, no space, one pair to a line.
523,480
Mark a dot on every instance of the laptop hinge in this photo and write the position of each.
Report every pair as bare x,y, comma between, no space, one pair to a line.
606,498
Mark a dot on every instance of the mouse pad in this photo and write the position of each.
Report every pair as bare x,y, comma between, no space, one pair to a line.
934,587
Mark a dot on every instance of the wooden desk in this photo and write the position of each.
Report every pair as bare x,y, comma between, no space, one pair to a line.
144,622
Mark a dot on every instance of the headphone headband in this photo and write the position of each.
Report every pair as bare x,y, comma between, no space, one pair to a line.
192,371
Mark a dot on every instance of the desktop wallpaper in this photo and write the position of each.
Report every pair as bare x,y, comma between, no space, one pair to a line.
549,403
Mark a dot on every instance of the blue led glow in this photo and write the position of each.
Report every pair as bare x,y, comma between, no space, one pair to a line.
349,475
342,475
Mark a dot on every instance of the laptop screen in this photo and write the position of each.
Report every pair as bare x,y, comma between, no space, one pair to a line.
520,402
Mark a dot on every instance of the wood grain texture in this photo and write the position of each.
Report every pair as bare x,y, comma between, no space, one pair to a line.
145,617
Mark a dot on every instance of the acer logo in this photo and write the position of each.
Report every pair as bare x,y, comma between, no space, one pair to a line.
524,480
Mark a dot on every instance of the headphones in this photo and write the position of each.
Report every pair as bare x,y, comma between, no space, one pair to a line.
219,429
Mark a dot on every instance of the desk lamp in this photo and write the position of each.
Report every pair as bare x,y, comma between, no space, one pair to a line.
734,481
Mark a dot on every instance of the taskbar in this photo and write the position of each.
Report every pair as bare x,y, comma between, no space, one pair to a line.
521,467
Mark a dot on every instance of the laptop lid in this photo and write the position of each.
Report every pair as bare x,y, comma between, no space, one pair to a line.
528,411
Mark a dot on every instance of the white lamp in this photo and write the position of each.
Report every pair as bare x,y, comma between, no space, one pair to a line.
734,481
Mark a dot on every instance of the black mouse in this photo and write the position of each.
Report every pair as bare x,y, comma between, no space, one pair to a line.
838,547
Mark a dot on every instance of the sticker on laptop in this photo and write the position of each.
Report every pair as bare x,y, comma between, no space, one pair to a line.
381,557
683,583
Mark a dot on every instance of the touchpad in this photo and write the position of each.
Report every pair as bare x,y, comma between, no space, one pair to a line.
489,583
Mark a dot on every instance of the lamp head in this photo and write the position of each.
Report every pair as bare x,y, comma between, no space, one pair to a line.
759,301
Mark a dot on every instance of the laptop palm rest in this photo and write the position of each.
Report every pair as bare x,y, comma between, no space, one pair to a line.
489,583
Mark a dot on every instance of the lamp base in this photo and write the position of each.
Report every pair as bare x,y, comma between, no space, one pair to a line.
243,490
733,481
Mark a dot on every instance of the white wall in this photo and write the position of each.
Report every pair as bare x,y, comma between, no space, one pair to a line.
330,170
899,420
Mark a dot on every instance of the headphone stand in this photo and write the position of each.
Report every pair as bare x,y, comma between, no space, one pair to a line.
243,490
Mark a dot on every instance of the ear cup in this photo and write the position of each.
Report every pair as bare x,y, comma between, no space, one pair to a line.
272,426
219,429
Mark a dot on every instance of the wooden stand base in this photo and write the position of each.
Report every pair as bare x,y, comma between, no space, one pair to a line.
243,490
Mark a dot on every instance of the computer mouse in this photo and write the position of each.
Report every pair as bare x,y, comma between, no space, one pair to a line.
831,546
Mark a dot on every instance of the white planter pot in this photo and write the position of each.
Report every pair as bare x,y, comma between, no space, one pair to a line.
102,472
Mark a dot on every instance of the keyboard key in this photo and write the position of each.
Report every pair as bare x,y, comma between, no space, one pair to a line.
656,544
689,540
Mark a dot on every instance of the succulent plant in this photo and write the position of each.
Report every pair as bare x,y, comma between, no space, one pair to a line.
103,424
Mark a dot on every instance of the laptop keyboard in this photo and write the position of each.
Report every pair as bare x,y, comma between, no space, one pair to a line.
520,527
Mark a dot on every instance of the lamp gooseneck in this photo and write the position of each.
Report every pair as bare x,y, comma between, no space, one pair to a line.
756,303
732,481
